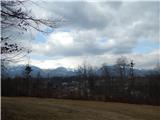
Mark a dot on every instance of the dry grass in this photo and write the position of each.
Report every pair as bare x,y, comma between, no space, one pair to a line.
23,108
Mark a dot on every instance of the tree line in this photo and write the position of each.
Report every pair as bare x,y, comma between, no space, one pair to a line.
125,86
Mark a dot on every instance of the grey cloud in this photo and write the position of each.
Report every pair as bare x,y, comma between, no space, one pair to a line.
126,23
111,23
83,15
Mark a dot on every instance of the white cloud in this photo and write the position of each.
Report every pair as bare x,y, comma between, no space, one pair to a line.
61,38
99,32
145,60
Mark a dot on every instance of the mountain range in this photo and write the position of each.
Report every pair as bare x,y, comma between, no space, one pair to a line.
64,72
20,71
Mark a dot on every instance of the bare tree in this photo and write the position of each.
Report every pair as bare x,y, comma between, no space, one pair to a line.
107,81
82,73
16,20
122,69
122,65
132,64
86,80
91,78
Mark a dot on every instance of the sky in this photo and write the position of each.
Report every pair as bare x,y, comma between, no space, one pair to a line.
97,33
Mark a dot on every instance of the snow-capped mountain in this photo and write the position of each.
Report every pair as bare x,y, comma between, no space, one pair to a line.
20,71
62,71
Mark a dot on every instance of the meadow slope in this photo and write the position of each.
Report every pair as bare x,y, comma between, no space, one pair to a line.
27,108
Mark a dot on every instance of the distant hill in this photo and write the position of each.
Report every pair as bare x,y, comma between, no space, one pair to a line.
62,71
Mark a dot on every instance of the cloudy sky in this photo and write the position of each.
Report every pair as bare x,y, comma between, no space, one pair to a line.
97,32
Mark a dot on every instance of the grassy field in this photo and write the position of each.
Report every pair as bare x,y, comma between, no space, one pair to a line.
21,108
